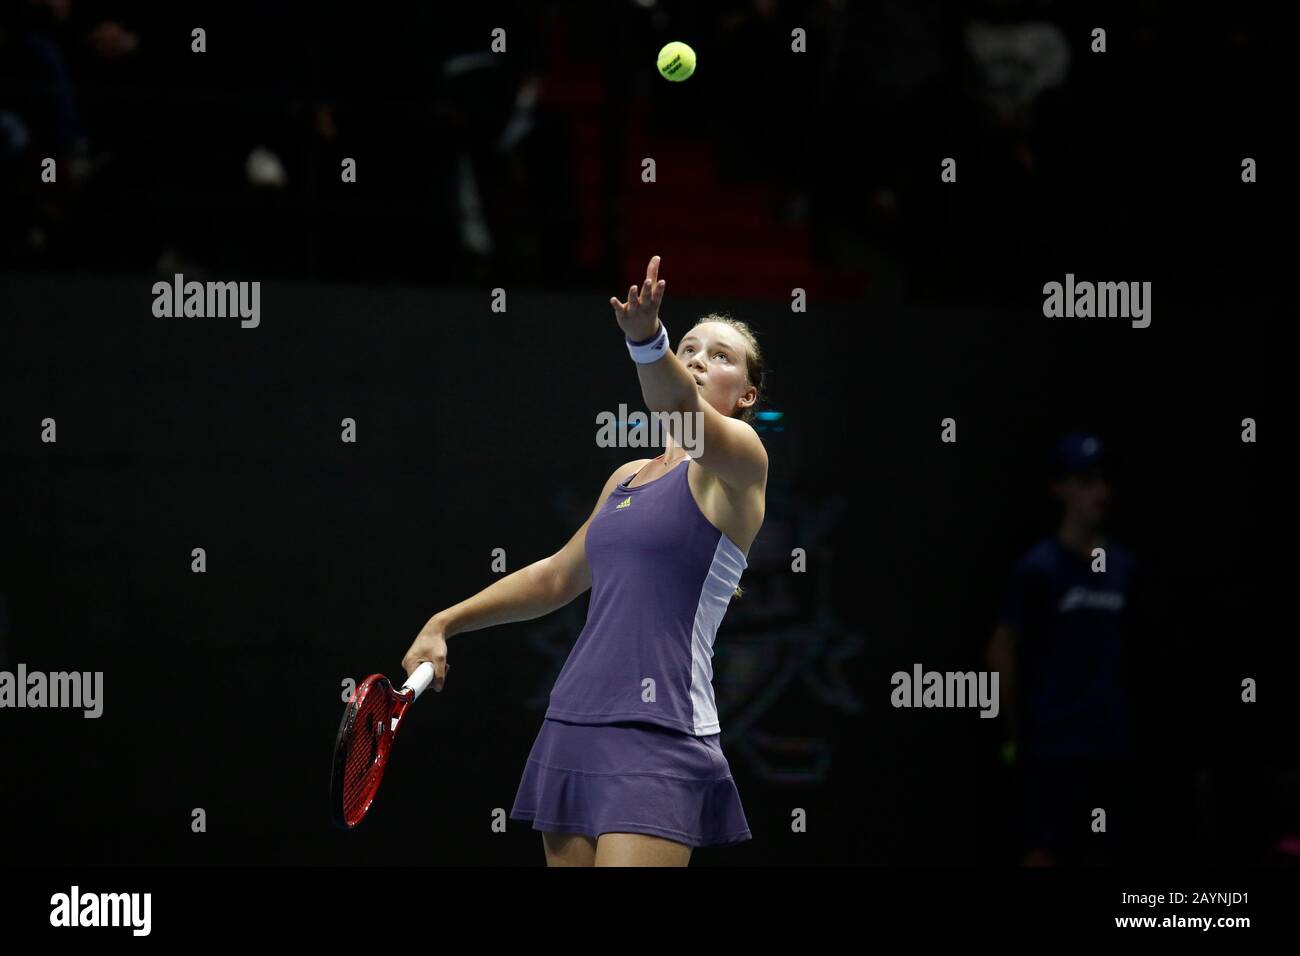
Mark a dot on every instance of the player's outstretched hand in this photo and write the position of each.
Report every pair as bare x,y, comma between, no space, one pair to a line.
638,317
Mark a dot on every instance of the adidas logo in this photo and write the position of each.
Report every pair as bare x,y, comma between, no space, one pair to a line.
625,502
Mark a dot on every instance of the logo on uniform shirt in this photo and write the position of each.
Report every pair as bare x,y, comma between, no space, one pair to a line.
1081,597
625,503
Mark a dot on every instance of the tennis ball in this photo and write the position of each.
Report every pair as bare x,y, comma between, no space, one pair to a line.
1008,752
676,61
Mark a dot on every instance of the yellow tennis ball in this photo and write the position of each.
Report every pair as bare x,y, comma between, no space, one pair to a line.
676,61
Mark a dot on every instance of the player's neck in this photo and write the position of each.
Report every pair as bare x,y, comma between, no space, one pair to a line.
673,453
1078,537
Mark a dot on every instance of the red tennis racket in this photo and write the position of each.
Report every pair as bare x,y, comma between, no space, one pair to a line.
366,734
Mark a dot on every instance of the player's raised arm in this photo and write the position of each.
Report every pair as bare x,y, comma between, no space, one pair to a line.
665,383
721,444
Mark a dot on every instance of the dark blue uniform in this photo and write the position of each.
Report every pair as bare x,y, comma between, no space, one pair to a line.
1070,621
1071,702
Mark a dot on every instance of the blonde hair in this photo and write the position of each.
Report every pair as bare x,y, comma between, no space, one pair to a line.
755,372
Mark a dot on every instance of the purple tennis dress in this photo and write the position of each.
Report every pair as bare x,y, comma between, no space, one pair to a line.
631,740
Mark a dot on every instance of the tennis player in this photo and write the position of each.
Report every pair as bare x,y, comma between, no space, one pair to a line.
628,768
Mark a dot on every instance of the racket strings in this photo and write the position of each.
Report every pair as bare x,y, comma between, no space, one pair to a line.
364,767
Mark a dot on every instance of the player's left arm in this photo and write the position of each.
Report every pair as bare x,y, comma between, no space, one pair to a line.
723,446
726,447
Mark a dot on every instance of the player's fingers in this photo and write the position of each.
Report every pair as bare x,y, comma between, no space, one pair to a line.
652,270
440,676
633,299
658,294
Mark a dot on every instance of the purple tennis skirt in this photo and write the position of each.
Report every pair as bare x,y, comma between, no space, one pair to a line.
630,777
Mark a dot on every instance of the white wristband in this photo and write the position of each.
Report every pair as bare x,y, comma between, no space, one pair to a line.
652,349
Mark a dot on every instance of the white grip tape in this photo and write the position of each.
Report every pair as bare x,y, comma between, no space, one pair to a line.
421,679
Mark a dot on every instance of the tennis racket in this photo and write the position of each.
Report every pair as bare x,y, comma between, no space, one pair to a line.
366,734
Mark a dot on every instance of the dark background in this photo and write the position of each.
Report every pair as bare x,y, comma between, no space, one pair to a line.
222,690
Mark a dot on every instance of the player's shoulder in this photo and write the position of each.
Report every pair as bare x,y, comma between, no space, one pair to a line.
1119,556
1047,555
1043,555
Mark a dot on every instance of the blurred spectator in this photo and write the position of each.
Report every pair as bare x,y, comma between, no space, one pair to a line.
1059,648
474,163
44,45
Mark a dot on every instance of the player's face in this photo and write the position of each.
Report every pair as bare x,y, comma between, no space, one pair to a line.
715,354
1085,496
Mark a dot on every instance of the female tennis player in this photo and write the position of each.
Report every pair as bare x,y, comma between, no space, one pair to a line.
628,768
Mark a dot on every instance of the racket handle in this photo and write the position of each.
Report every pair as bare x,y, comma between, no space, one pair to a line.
420,679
